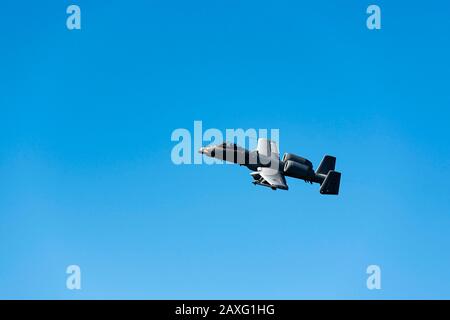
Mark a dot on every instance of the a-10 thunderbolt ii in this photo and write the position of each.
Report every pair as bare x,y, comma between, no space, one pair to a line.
270,171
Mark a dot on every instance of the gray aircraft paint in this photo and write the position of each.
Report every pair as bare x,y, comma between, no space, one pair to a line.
270,171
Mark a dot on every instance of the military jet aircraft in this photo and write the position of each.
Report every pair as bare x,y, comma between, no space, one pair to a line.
270,171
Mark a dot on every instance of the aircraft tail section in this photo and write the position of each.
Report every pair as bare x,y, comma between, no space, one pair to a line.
327,164
332,179
331,183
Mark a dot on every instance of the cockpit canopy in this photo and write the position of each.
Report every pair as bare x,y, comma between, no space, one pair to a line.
228,145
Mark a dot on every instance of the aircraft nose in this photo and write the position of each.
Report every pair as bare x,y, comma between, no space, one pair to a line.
205,151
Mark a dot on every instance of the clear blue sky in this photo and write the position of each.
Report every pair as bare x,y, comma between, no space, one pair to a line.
85,170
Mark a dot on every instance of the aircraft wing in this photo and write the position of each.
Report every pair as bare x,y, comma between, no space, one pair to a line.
269,177
268,148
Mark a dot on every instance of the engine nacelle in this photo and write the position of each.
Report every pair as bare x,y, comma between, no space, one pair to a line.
293,157
298,170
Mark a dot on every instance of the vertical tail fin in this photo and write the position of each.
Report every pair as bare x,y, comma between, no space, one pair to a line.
327,164
331,183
